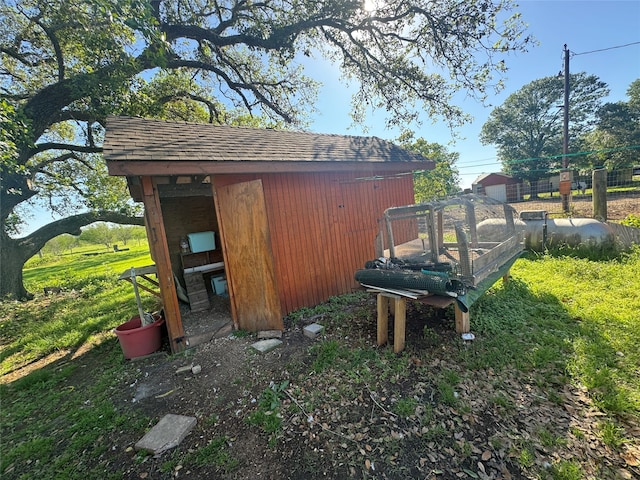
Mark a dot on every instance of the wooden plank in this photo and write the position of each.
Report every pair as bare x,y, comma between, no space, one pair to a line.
399,324
249,259
463,324
383,319
160,253
197,167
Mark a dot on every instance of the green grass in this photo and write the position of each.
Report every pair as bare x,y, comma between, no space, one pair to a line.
559,320
73,426
93,301
567,316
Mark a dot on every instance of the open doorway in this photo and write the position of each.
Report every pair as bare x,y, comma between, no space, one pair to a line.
197,260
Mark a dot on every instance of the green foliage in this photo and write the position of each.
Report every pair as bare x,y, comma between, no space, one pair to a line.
327,353
73,427
631,220
405,407
215,453
267,416
443,180
567,470
559,317
611,434
617,132
100,233
528,127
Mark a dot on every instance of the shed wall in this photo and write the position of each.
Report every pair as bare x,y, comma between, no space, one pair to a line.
323,228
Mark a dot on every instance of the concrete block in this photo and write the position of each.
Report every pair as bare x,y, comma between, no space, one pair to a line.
313,330
166,434
264,346
185,369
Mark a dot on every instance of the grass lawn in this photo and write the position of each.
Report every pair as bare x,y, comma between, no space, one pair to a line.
560,324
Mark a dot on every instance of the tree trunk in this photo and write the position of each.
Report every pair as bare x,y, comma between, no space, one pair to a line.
12,261
16,251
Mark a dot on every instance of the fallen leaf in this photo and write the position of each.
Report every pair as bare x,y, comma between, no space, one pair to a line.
625,474
486,455
506,474
630,459
367,464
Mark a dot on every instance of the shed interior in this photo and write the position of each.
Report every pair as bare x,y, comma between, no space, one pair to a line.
188,208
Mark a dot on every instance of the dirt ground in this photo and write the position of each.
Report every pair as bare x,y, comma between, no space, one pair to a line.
618,206
350,430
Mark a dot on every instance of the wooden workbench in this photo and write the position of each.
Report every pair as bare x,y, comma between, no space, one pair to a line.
144,272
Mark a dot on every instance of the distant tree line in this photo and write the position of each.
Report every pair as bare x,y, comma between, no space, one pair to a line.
527,128
97,234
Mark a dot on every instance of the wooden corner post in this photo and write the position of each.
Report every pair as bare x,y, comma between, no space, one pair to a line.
463,323
160,253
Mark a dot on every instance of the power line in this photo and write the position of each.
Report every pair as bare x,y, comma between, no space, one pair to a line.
555,157
573,54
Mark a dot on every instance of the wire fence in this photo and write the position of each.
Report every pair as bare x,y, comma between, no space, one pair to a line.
623,195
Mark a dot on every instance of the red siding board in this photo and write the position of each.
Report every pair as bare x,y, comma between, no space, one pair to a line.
323,227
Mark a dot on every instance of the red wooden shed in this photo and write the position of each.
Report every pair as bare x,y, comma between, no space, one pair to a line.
294,214
499,186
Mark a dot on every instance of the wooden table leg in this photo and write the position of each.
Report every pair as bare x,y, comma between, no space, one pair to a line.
383,319
399,323
505,277
463,324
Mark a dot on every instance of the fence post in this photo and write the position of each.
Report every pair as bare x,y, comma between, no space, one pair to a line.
599,182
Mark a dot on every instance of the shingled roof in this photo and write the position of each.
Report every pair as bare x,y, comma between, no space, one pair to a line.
133,139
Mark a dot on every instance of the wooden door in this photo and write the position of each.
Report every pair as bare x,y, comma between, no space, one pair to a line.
246,244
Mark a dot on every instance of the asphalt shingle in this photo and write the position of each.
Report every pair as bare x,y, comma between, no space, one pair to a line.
138,139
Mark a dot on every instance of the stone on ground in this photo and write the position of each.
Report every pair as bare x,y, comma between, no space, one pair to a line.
313,330
264,334
166,434
264,346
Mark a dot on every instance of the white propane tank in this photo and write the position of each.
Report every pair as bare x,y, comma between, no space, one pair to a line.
540,231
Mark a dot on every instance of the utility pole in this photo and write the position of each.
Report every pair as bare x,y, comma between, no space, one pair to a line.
565,137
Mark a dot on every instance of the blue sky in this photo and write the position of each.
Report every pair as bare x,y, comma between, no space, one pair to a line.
584,26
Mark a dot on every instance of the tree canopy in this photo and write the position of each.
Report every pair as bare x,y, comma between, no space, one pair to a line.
440,182
528,127
67,64
616,139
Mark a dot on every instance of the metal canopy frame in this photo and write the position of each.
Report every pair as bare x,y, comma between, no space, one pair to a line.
441,232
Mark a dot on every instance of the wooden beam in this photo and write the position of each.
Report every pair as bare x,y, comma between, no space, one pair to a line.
399,323
194,167
180,190
160,253
383,319
463,324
